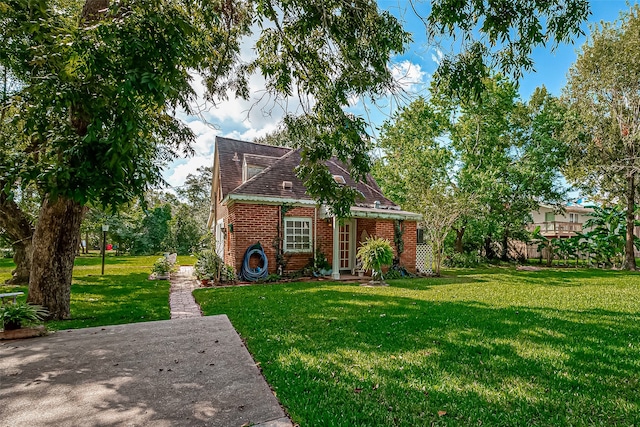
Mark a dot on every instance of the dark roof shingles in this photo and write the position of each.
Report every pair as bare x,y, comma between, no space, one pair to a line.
268,183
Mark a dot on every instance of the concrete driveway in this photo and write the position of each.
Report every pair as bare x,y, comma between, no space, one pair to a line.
185,372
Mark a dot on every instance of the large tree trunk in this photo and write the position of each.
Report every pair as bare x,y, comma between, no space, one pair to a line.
18,228
504,251
22,258
55,244
459,235
488,248
629,250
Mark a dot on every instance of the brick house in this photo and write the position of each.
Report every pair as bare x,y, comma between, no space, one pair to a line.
251,184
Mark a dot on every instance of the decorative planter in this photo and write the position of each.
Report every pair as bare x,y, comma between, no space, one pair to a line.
12,326
15,334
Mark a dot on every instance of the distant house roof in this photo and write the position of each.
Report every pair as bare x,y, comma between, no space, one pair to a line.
280,166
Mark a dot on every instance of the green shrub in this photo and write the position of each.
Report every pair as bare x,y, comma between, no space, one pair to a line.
374,253
14,316
320,261
273,277
162,267
458,260
210,266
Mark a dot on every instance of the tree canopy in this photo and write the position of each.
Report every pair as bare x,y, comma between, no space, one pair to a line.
603,96
499,155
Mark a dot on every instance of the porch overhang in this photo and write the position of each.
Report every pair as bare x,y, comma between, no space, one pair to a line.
266,200
375,213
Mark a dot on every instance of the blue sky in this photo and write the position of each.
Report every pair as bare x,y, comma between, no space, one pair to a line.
258,116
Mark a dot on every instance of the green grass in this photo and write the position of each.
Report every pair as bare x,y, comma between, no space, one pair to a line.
123,295
494,347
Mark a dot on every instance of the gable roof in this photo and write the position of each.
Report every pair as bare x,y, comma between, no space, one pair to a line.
269,182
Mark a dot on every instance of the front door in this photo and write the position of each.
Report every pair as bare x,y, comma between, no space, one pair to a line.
347,230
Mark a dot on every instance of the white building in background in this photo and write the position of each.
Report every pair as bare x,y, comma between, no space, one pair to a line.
562,224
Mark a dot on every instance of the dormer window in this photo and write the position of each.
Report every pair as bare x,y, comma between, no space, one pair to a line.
339,179
249,171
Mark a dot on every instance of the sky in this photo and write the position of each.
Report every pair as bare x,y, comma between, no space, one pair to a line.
248,119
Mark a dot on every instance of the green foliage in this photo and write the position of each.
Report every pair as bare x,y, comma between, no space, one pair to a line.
603,98
498,34
463,260
271,278
210,266
16,315
484,163
492,346
185,232
162,266
320,262
196,196
398,231
606,236
374,253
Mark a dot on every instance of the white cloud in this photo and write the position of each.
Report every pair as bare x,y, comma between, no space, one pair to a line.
178,171
409,75
437,56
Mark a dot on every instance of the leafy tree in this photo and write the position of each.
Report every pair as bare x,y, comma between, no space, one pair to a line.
441,209
509,156
607,233
280,138
415,158
498,35
185,231
497,154
196,193
603,94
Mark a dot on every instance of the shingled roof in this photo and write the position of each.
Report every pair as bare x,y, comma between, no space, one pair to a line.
230,156
269,182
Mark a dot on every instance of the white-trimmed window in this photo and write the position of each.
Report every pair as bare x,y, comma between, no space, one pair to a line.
297,234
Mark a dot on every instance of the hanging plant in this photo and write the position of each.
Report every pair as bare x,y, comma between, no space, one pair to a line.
375,253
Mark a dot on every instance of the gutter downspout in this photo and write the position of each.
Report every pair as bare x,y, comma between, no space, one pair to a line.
315,235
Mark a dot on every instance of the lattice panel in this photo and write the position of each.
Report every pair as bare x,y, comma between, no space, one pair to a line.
424,258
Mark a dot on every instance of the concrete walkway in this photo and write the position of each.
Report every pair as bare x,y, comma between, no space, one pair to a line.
181,301
181,372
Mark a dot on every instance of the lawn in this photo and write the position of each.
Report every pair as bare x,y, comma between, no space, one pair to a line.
494,347
123,295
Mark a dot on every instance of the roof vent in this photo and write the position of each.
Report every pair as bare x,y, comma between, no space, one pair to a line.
235,157
287,185
376,204
339,179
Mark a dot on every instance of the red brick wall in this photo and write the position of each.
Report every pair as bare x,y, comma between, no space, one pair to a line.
385,228
254,223
410,237
324,240
257,223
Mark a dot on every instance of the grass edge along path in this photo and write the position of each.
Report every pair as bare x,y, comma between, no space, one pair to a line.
122,295
488,347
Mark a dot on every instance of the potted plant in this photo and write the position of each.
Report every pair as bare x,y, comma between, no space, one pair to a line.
15,316
375,253
161,268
